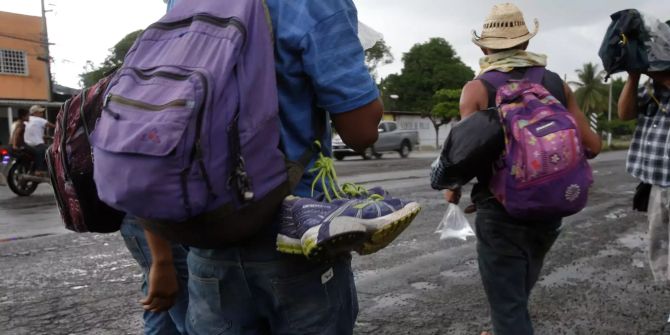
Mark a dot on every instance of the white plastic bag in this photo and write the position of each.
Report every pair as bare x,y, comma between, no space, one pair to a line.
454,224
368,36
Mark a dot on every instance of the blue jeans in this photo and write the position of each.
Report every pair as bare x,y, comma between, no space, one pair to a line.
511,253
254,289
172,321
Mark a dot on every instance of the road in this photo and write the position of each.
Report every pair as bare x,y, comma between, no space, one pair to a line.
596,279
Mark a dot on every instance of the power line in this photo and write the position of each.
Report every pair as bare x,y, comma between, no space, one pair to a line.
14,37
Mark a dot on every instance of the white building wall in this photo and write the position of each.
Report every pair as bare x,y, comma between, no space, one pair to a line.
425,129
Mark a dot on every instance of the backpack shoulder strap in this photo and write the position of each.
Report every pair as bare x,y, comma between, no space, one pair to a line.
494,78
534,74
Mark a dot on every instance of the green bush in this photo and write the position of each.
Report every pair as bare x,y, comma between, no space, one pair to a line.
617,127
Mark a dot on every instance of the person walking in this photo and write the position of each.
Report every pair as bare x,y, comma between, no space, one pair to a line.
511,251
251,288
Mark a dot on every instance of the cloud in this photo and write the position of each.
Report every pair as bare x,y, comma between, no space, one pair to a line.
570,30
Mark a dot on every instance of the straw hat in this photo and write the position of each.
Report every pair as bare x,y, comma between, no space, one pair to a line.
504,28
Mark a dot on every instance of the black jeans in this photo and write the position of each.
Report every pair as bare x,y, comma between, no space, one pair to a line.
40,150
510,255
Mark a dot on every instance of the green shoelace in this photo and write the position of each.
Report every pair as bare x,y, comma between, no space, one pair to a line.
327,177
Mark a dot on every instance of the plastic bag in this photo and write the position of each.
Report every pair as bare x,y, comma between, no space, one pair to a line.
368,36
454,224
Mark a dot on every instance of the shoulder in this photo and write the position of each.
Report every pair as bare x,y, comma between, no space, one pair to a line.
299,17
474,97
551,75
37,120
474,87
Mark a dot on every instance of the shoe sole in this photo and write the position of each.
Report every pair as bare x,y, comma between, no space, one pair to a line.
387,228
347,237
289,245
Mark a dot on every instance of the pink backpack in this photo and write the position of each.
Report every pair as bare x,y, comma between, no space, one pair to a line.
543,172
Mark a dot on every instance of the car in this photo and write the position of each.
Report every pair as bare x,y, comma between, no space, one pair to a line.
391,139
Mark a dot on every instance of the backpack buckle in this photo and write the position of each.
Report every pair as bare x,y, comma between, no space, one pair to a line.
241,181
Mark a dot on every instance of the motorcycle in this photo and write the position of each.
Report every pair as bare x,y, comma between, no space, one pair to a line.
17,167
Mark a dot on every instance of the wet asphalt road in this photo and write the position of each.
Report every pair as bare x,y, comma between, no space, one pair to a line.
596,279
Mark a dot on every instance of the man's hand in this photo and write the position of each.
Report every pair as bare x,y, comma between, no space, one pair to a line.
163,288
453,196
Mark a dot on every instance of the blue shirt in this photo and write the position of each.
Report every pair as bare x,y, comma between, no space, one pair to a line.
320,62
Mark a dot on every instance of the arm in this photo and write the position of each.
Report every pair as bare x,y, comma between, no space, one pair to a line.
628,99
163,286
474,97
334,61
358,127
590,140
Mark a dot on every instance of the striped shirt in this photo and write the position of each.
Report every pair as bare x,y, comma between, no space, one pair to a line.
649,153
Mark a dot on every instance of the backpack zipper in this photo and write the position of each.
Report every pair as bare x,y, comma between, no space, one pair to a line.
147,106
213,20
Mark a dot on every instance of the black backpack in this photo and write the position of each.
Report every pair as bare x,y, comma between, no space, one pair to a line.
634,42
623,47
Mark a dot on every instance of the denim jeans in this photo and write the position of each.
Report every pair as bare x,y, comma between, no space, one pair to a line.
254,289
511,253
172,321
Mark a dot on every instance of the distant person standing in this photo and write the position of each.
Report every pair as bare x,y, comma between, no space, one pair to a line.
34,134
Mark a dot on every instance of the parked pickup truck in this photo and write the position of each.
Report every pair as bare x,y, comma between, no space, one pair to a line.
391,138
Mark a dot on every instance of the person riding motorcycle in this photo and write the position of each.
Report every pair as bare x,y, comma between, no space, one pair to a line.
17,140
34,136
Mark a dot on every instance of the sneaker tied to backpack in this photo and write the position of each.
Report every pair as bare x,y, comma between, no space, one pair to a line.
314,228
341,219
385,218
288,238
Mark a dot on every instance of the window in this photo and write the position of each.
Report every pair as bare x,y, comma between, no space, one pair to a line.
13,62
391,126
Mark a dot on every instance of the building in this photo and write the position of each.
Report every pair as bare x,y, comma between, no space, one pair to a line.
24,68
414,121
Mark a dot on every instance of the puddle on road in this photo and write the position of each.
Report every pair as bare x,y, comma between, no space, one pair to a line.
634,241
392,301
581,271
568,275
422,285
456,274
617,214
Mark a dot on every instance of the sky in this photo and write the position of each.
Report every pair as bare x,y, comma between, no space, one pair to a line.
570,30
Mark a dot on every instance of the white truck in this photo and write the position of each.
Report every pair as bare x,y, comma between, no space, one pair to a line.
391,138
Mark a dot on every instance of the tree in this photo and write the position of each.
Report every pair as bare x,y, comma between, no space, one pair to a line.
379,54
591,93
92,73
445,108
427,68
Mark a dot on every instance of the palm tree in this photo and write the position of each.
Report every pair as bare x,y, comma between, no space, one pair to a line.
591,92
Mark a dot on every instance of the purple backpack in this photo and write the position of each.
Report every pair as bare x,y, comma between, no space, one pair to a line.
543,172
188,139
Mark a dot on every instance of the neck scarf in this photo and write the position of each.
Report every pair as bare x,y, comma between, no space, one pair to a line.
506,61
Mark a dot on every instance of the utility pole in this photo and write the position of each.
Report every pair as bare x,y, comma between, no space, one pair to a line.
45,43
609,116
